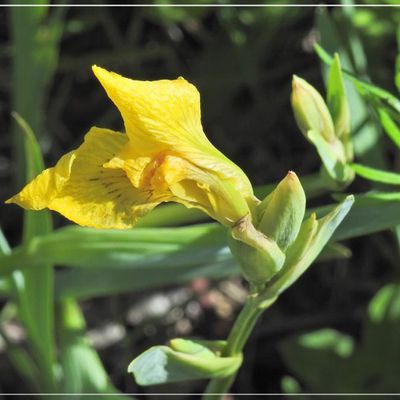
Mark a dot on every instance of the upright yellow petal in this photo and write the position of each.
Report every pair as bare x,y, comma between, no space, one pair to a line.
81,189
163,116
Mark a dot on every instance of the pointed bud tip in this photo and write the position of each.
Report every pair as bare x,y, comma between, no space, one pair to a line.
292,180
297,83
292,175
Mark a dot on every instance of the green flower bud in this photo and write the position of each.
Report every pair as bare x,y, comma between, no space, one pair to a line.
314,119
282,212
310,110
259,257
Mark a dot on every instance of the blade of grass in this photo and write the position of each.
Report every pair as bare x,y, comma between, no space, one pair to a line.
181,247
338,36
84,284
4,250
376,175
371,213
389,125
397,64
34,287
83,371
19,357
35,56
362,86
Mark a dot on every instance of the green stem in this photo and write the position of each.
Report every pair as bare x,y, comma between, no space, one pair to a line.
236,341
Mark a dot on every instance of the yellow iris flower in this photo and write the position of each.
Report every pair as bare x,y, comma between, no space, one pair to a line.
113,179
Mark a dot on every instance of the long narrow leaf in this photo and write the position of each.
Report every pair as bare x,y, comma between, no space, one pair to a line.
186,246
363,87
376,175
84,283
370,213
18,356
82,367
389,125
36,311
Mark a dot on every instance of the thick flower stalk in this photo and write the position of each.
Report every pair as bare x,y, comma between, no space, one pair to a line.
113,178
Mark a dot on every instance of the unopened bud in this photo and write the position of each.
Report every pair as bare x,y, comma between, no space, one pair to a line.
282,212
259,257
310,110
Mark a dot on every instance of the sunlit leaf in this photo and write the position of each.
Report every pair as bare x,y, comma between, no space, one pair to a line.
389,125
182,360
376,175
362,86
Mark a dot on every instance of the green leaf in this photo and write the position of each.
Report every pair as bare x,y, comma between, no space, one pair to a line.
363,87
5,284
35,35
385,306
290,385
372,212
86,284
312,238
181,361
376,175
337,99
389,125
18,356
379,350
332,157
123,265
337,35
397,65
36,311
137,248
336,364
334,251
325,353
83,371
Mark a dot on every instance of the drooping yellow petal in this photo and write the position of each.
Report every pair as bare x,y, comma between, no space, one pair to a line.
193,187
39,193
164,116
168,177
81,189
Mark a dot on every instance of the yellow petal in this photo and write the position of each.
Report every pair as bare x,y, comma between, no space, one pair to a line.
193,187
162,116
86,192
167,177
45,187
